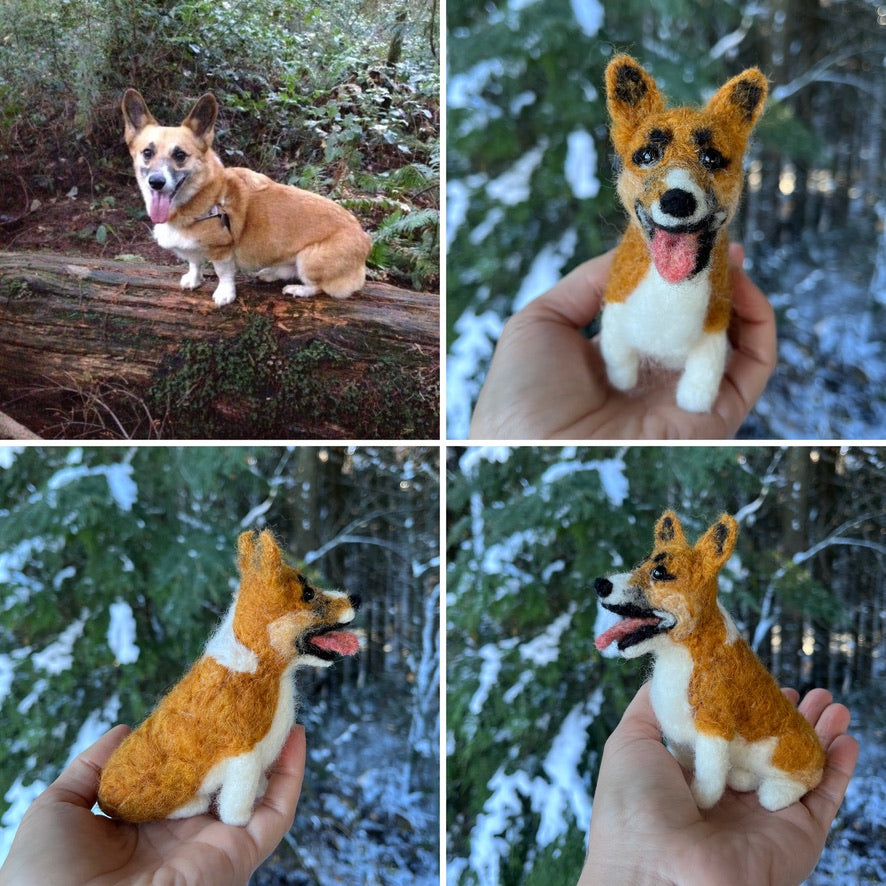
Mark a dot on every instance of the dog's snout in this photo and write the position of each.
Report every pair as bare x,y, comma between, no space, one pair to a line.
603,587
355,600
157,181
678,203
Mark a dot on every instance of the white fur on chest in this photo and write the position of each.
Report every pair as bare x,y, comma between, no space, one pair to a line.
663,320
170,237
669,694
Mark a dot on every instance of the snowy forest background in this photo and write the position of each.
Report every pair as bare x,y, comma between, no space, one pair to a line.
530,189
530,702
115,566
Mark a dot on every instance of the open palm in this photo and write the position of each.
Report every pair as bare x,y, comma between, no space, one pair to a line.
60,841
548,381
645,826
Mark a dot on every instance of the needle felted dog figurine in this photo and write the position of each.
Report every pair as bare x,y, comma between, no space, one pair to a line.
720,711
235,217
668,299
218,730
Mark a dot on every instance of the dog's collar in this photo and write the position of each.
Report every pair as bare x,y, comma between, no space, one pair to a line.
216,212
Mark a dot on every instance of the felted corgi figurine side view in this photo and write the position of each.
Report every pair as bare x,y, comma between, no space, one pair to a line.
223,725
720,711
235,217
668,298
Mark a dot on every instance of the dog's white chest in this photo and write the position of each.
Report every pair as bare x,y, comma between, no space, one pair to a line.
662,319
170,237
669,694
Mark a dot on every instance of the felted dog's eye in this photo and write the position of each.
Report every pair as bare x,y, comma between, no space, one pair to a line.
659,573
648,155
712,159
179,155
307,593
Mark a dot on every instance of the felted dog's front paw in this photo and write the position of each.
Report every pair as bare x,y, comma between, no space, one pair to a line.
705,795
697,395
623,375
224,293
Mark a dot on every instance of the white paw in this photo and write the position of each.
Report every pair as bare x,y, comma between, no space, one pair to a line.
705,795
267,275
300,291
224,294
623,375
192,279
777,793
697,395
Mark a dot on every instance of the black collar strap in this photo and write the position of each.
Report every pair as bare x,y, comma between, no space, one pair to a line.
216,212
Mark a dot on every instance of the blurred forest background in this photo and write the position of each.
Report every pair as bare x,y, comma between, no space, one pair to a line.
116,565
530,189
530,702
341,98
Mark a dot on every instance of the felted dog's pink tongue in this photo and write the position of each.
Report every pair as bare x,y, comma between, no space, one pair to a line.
622,629
674,254
342,642
160,207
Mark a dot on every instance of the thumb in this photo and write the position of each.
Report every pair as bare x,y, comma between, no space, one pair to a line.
78,782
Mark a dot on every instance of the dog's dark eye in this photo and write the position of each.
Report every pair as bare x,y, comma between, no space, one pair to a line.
179,155
147,153
659,573
648,155
712,159
308,593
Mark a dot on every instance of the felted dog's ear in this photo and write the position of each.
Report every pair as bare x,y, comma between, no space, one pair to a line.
269,551
201,120
668,530
245,550
631,96
718,542
136,115
739,103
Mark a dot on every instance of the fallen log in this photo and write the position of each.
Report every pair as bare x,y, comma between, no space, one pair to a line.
100,348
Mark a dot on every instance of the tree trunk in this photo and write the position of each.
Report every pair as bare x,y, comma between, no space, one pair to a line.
95,348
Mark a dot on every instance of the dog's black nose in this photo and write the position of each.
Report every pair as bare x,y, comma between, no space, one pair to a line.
678,203
603,587
157,181
355,600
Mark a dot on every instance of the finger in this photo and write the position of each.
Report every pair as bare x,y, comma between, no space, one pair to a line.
639,720
78,782
790,694
825,800
274,815
832,723
577,298
814,704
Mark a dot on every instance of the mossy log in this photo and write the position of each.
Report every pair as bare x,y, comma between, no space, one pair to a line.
99,348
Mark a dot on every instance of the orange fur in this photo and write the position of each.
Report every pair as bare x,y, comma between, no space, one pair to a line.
232,699
718,706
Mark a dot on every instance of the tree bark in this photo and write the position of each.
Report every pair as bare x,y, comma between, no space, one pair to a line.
151,360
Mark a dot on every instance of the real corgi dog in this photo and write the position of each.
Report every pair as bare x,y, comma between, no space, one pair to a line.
234,217
720,711
221,727
669,294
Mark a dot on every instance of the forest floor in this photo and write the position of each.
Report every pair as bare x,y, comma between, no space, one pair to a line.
830,381
357,822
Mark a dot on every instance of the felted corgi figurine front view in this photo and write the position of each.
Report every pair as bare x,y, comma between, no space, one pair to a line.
720,711
222,726
668,299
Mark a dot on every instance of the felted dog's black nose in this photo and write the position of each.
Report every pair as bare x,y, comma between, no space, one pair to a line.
603,587
678,203
157,181
355,600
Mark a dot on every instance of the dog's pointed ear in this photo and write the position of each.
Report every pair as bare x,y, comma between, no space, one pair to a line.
718,542
245,551
201,120
271,558
136,115
668,530
740,102
631,96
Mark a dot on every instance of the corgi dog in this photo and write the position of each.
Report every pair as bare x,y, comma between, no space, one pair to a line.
222,726
668,298
234,217
720,711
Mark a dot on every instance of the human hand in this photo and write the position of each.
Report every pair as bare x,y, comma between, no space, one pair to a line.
60,841
646,828
548,381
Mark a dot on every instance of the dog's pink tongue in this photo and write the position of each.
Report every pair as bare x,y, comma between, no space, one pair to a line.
342,642
160,207
622,629
674,254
